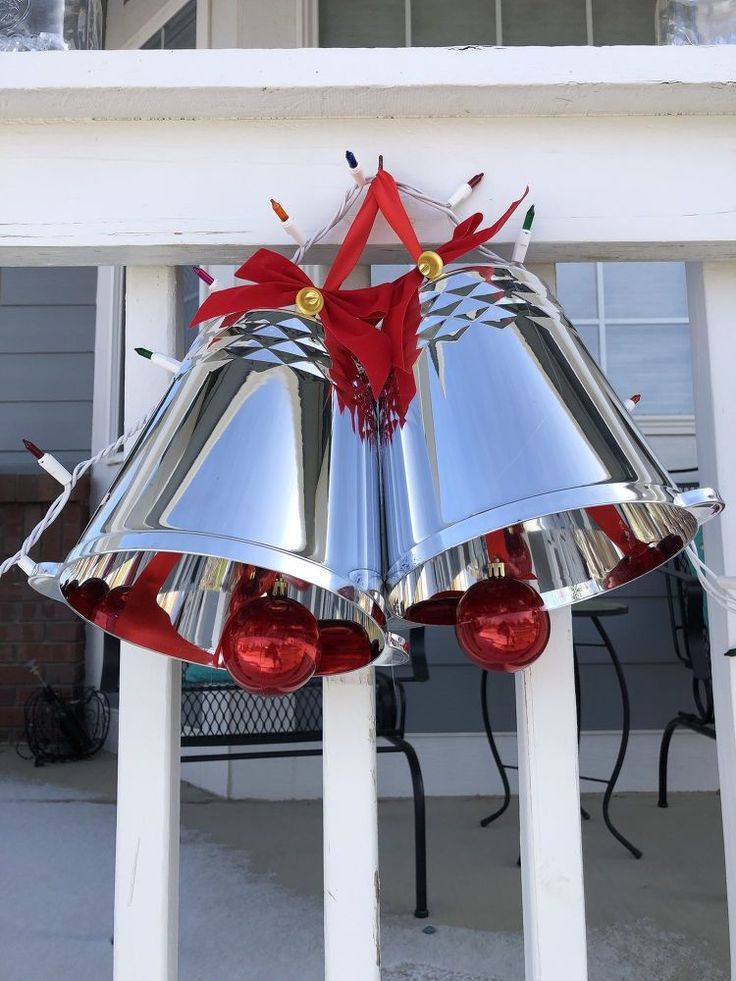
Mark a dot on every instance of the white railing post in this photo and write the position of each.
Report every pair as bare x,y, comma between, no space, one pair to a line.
549,807
350,811
350,821
712,302
147,838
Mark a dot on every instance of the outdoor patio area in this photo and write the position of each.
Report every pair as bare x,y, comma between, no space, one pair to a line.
251,886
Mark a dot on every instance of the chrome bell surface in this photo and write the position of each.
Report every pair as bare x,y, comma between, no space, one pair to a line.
247,472
517,458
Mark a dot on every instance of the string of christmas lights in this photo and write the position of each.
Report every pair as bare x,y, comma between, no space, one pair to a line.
22,557
69,480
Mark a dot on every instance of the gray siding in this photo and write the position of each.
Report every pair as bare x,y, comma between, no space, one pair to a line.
47,330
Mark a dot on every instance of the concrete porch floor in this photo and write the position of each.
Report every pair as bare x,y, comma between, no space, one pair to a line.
674,897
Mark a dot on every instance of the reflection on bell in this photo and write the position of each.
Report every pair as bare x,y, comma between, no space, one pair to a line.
516,455
248,486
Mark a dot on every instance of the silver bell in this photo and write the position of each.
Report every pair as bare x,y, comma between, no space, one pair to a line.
248,481
516,457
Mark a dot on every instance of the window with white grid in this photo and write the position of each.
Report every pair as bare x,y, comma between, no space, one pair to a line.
633,318
430,23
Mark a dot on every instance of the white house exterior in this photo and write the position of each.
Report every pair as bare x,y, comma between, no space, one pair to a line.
627,152
634,318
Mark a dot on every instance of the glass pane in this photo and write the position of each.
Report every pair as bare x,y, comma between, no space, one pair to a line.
435,23
639,290
154,43
654,360
542,22
576,289
181,31
589,336
378,24
623,22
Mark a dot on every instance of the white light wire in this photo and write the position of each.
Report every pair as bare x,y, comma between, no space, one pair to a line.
706,576
60,503
709,581
352,195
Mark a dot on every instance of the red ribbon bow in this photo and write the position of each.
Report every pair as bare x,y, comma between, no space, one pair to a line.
401,323
349,317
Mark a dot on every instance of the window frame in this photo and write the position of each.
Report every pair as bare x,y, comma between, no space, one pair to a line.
652,424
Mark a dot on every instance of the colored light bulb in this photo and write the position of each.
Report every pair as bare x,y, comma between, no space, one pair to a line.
271,646
502,625
279,210
439,611
344,646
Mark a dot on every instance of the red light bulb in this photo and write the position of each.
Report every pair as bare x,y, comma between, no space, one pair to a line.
344,646
440,611
502,625
86,598
270,646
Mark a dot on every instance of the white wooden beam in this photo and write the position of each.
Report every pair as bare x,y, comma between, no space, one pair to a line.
350,821
549,808
605,186
147,838
350,83
712,302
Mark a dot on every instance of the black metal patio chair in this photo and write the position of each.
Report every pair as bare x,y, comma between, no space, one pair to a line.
692,647
222,714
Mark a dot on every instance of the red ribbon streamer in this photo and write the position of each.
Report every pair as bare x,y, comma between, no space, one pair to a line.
402,321
350,317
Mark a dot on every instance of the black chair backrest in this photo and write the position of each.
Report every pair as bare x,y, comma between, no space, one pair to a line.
223,714
690,630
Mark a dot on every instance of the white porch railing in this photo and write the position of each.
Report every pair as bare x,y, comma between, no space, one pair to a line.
163,158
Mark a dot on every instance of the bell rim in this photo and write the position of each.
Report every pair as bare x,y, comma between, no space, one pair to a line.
371,593
702,504
544,505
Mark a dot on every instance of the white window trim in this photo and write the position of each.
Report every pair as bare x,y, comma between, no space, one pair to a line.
655,425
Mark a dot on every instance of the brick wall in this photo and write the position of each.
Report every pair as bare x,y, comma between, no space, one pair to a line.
32,627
